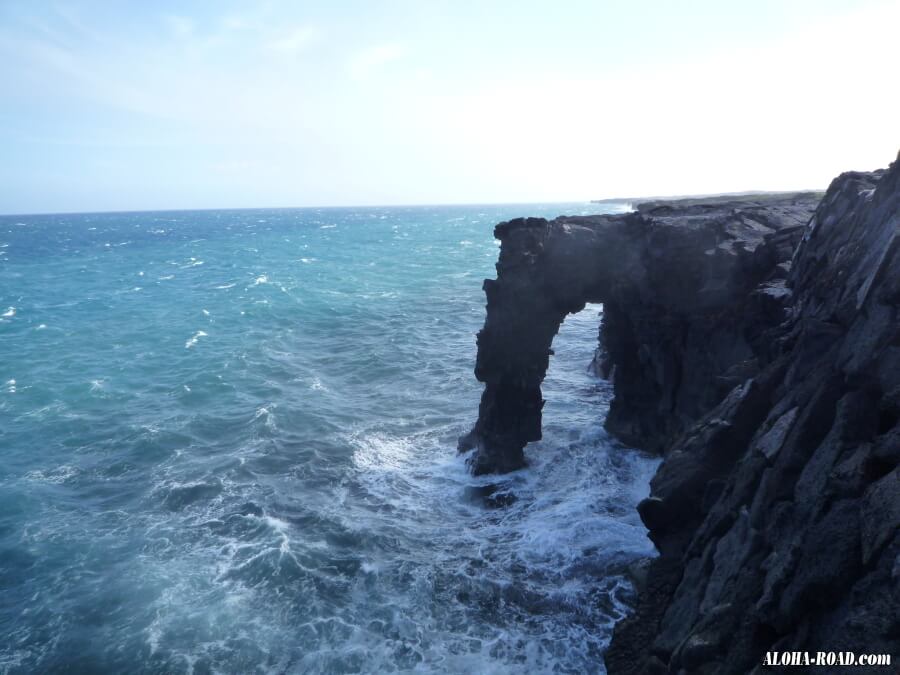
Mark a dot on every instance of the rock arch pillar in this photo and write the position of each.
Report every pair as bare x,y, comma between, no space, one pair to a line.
546,270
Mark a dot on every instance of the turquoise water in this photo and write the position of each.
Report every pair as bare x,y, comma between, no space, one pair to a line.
227,444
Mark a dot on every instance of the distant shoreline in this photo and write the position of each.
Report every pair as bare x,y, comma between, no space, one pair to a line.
688,200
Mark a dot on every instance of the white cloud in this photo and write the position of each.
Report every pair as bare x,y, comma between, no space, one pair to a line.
292,41
376,57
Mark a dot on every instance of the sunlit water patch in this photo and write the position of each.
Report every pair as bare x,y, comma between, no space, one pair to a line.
229,446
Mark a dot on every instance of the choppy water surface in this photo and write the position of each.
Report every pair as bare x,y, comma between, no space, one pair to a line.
227,444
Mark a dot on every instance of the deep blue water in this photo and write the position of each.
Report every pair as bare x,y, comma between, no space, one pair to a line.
227,444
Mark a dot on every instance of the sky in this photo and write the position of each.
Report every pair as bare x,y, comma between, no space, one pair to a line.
173,105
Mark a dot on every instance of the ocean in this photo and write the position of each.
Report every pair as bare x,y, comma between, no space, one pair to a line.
228,445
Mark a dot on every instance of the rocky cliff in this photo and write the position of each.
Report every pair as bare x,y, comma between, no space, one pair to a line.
756,345
688,290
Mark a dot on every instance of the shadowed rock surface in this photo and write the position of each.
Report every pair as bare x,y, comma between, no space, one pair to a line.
684,313
776,516
759,350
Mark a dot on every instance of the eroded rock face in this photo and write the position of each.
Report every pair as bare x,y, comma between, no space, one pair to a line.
546,270
777,515
757,346
684,313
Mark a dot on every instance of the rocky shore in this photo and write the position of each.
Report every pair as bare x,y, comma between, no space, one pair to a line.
755,343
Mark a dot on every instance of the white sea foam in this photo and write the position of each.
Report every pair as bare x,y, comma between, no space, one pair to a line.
261,279
13,660
10,312
224,286
55,476
266,414
552,558
314,545
379,452
370,567
193,340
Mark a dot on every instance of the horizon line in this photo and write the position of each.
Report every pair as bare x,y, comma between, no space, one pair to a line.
603,200
286,208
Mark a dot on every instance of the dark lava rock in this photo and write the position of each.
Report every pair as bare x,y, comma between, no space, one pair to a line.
491,496
756,345
799,548
689,292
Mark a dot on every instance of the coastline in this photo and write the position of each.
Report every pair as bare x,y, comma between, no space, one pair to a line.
751,342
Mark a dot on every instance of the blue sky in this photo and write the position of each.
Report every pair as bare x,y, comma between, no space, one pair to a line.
140,105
